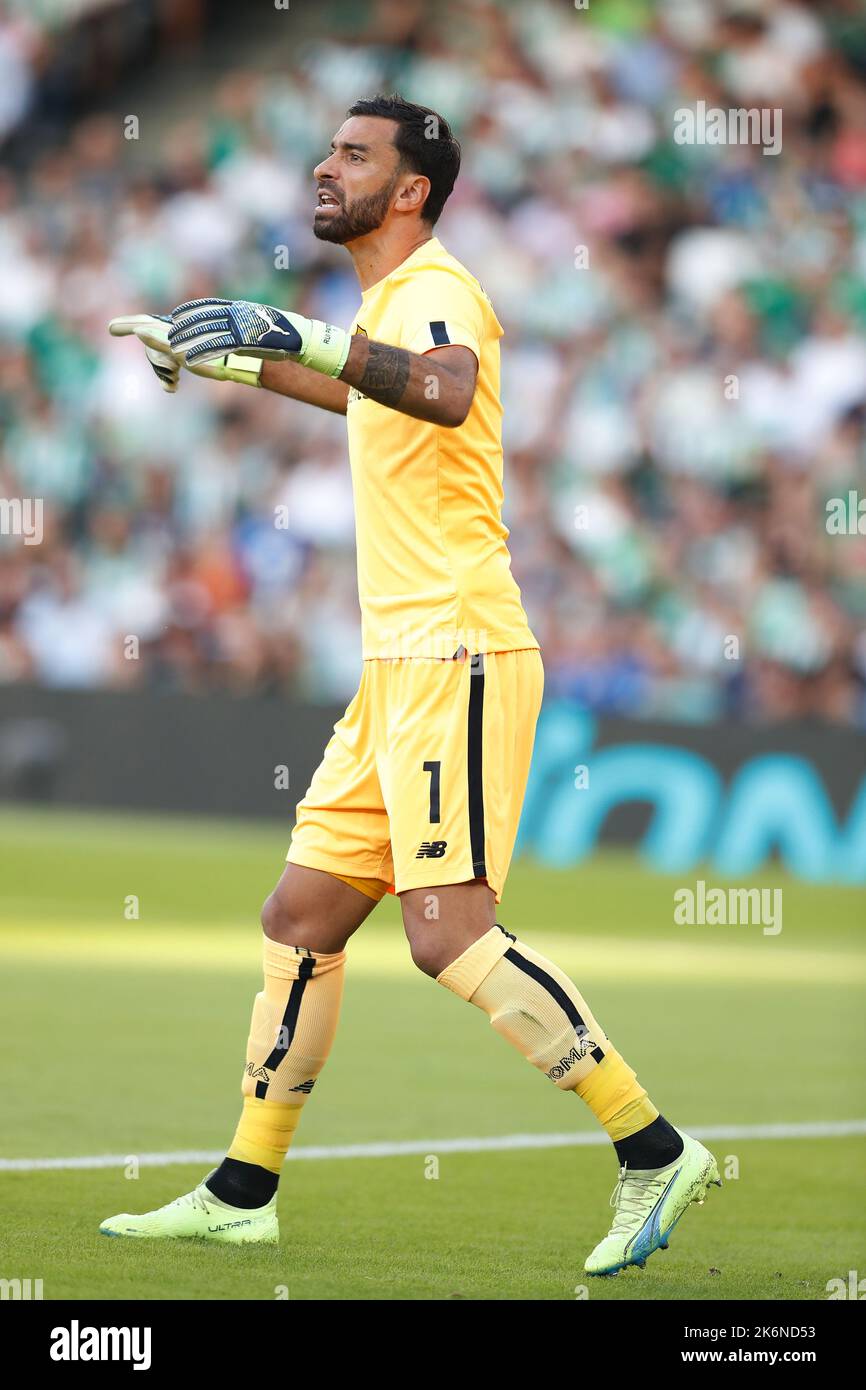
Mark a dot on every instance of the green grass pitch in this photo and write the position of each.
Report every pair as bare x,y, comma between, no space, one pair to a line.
124,1035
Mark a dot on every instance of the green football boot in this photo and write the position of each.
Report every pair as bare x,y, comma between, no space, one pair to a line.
649,1204
199,1215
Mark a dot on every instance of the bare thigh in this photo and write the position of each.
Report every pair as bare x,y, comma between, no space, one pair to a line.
441,923
313,909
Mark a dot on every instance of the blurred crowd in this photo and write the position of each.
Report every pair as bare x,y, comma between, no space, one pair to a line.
684,366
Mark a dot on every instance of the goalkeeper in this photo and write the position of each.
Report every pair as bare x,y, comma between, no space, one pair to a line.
420,788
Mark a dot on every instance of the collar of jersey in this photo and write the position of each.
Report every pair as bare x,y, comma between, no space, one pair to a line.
433,244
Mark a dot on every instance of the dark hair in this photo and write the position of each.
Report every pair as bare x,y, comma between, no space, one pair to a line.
424,143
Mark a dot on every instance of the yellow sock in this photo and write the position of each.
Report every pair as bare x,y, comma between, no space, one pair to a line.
264,1133
293,1025
539,1010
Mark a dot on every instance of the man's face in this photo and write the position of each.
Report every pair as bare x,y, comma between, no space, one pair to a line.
357,181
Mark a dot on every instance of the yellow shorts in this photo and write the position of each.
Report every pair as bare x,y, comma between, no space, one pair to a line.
423,780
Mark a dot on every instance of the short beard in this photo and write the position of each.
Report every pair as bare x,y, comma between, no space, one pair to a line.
363,216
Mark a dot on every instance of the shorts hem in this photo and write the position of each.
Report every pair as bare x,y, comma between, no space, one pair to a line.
440,881
495,650
310,859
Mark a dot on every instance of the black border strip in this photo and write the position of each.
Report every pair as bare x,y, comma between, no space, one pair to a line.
289,1024
558,993
475,764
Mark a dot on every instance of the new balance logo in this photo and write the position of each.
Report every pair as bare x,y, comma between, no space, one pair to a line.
305,1086
432,849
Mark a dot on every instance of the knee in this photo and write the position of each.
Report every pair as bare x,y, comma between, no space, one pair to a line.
281,920
428,954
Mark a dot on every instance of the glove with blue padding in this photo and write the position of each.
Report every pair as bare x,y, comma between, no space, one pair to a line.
204,330
151,330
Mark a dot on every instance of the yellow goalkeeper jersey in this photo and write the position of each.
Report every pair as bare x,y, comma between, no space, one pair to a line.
434,573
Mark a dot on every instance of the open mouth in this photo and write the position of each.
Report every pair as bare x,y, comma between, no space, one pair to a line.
326,200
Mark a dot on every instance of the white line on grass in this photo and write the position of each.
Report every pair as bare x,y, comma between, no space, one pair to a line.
821,1129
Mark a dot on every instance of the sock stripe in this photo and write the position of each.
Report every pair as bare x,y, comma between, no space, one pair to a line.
476,766
290,1022
547,982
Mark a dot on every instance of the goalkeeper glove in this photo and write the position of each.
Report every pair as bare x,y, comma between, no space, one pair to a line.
152,331
206,329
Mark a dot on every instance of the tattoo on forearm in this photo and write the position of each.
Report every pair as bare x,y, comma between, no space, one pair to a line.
386,373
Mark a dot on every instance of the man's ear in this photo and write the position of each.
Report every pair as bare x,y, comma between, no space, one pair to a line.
414,194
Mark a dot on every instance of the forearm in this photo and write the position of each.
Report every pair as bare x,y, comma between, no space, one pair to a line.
406,381
317,362
303,384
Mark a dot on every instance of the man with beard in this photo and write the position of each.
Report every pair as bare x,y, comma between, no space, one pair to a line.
420,788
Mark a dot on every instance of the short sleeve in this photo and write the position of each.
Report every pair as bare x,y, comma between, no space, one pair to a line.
443,311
